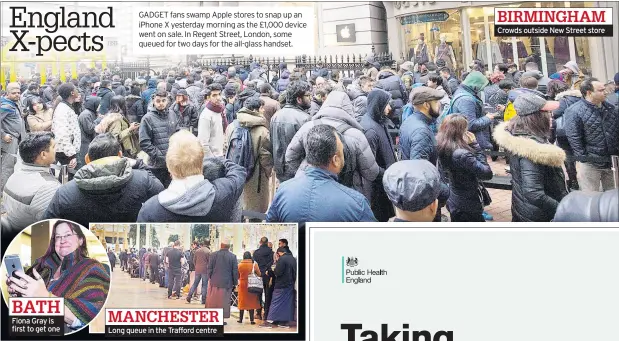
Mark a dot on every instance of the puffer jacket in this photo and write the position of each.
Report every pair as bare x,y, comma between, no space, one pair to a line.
471,106
593,131
118,88
105,190
86,121
155,131
465,168
134,112
359,101
389,81
187,118
587,207
336,110
283,81
537,175
106,96
375,127
284,125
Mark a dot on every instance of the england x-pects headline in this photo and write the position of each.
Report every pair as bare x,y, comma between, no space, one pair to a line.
22,21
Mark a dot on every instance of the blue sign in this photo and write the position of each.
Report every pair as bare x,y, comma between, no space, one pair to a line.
424,18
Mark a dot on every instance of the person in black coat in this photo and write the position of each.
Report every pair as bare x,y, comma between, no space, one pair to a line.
87,123
105,93
223,276
264,257
389,81
187,114
536,165
566,98
136,108
375,125
112,189
465,163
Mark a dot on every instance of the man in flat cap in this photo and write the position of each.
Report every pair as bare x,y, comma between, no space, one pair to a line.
413,186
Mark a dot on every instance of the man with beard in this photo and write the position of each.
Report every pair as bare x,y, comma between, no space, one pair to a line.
417,141
287,121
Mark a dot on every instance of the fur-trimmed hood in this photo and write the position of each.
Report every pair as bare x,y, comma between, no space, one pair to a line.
575,93
527,147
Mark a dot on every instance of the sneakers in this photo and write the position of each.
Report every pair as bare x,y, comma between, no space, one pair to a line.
487,216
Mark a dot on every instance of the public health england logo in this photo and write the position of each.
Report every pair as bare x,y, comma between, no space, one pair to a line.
352,261
351,274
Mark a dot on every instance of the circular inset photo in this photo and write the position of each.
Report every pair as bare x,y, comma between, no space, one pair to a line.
55,261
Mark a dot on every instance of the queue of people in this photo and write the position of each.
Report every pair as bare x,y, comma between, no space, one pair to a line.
165,151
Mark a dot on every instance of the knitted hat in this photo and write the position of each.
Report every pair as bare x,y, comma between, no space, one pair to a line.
528,103
572,65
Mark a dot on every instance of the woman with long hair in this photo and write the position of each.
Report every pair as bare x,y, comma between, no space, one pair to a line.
536,164
465,163
117,123
247,300
66,271
40,118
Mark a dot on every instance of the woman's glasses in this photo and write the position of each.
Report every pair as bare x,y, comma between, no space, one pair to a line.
60,238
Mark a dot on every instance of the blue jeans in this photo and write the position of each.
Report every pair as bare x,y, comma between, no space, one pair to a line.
194,287
166,278
141,270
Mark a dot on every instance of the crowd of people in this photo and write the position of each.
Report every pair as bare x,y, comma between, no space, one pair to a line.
217,279
202,144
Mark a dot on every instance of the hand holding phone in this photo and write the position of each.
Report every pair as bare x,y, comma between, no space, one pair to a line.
13,265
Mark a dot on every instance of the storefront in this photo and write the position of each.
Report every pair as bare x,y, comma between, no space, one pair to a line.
459,32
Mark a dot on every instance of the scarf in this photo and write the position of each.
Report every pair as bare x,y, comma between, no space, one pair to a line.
84,282
218,108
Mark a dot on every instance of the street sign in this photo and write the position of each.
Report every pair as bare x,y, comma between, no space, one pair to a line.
424,18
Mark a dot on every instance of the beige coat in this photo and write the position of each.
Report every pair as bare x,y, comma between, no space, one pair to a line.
252,199
271,106
41,122
118,125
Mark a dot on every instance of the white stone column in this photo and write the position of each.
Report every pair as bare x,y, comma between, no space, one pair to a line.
148,238
394,32
137,236
466,38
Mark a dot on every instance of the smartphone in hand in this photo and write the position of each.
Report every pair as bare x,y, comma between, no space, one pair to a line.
13,263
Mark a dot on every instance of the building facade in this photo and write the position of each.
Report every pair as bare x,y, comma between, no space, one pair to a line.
467,29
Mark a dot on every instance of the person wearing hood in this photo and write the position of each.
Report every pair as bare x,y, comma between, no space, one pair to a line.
106,94
284,77
136,108
592,129
186,112
467,102
389,81
589,207
155,130
212,122
117,124
536,165
233,105
109,188
285,124
316,195
369,70
560,91
87,124
413,187
190,197
572,75
33,91
152,88
233,78
358,94
256,190
85,86
375,128
337,112
117,86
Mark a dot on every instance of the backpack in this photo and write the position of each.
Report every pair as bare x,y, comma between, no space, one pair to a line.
240,149
448,109
350,157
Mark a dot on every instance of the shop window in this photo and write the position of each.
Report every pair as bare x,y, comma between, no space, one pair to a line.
432,32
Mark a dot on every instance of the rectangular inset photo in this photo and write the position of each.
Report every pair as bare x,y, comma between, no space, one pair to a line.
201,279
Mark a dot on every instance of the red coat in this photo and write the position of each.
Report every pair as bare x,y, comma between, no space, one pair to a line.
247,301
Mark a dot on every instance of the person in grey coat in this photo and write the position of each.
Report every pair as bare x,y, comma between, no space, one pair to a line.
358,94
336,111
223,276
86,120
12,131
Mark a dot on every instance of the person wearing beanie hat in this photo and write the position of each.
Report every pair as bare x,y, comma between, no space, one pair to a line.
187,114
375,127
572,74
536,165
413,187
467,102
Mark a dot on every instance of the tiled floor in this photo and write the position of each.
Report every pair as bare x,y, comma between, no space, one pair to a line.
127,292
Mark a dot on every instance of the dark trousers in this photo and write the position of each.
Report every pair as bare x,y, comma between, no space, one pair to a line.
64,160
251,315
163,175
153,273
175,282
570,167
268,295
467,217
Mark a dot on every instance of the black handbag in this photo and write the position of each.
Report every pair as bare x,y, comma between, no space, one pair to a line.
484,195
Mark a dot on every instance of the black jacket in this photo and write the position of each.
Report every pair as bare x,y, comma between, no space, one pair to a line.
187,118
106,96
155,131
284,125
374,124
119,89
537,175
593,131
285,271
589,207
136,109
86,120
109,192
49,95
207,201
390,82
465,168
223,269
264,257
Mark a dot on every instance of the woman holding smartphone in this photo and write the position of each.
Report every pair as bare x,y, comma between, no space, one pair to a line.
463,159
66,271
